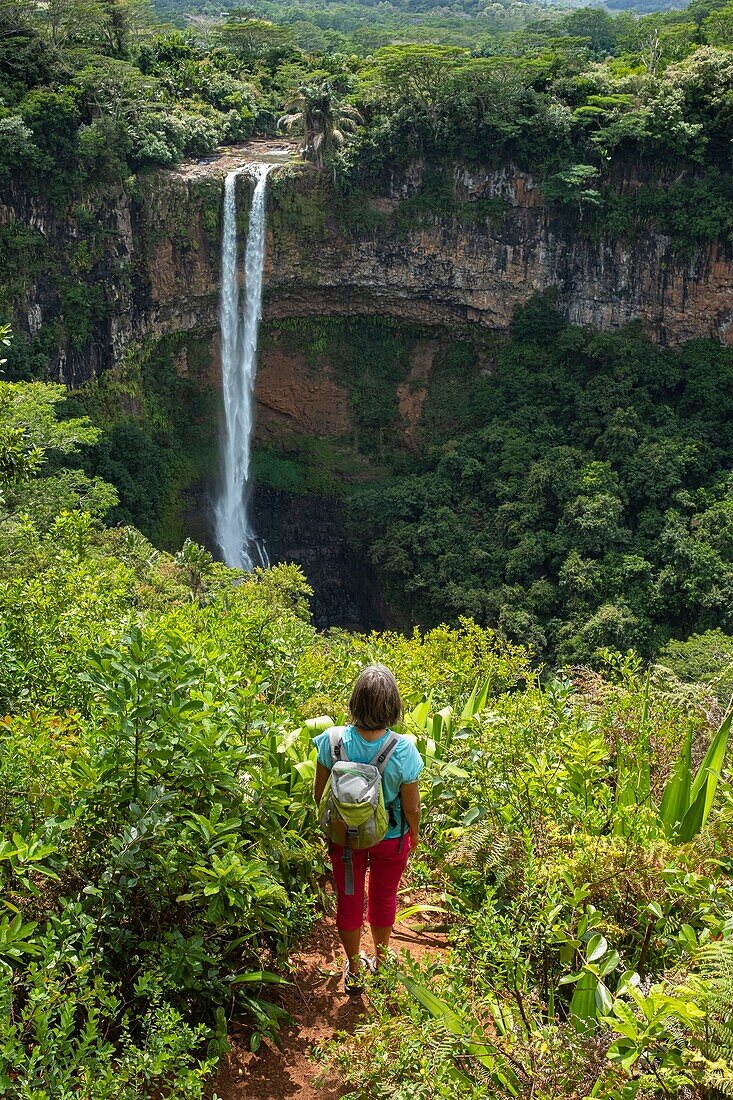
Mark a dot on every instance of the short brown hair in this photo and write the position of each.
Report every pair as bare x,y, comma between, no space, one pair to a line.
375,702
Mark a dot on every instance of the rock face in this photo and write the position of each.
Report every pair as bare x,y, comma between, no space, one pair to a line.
291,394
458,266
151,258
310,531
449,268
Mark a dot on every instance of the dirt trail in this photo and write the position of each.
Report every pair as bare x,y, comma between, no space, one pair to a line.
320,1008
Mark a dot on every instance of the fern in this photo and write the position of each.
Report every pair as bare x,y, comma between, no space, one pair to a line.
483,848
713,987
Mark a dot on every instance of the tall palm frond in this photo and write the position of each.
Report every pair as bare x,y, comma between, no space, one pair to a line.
321,119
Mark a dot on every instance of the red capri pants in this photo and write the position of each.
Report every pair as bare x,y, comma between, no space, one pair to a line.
386,865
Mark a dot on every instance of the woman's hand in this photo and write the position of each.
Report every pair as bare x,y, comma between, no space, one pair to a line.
410,795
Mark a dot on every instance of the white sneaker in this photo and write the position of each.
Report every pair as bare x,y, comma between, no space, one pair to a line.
353,984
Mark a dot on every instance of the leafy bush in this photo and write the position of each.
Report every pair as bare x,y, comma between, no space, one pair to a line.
19,150
159,855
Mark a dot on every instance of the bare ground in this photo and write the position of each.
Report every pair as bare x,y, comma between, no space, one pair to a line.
320,1009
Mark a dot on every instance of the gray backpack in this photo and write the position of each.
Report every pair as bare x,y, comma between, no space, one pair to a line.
352,809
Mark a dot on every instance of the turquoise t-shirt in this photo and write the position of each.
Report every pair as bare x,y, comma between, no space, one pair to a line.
403,766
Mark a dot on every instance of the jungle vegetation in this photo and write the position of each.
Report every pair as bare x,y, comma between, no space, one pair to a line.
572,486
569,486
91,90
160,858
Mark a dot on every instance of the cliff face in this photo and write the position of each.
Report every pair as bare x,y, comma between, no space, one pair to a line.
153,261
472,263
494,248
130,279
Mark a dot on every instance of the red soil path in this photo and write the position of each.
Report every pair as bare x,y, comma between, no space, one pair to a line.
320,1008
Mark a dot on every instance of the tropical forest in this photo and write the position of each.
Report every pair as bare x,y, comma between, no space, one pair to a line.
338,334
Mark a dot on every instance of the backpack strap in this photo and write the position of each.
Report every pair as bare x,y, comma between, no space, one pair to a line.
336,741
347,858
382,756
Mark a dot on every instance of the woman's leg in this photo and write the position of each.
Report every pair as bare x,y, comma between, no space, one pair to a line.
351,941
349,908
380,938
387,861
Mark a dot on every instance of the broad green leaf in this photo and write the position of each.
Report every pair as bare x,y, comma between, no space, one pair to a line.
318,725
610,963
676,798
604,1000
693,820
627,981
623,1020
597,947
483,696
570,979
441,723
583,1004
412,910
710,770
689,934
437,1008
469,709
452,769
260,976
476,700
418,716
306,769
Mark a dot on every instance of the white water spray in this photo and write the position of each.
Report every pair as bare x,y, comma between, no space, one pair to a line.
235,536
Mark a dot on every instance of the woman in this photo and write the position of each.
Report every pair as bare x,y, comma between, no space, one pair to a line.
375,705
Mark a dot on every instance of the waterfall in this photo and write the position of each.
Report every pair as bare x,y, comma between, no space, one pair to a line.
235,536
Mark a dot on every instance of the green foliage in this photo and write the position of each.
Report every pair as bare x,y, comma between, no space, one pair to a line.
98,92
692,210
572,186
571,487
160,433
320,120
64,1025
586,954
160,855
706,658
32,444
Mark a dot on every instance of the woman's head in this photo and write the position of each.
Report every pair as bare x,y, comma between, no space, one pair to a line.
375,702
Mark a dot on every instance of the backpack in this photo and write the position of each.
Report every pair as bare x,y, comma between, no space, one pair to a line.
353,813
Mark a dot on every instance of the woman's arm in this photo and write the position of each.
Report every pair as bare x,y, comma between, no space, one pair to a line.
410,795
319,783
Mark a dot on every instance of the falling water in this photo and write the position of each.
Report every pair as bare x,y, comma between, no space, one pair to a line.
234,533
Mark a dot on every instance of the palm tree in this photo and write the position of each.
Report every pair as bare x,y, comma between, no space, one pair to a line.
321,120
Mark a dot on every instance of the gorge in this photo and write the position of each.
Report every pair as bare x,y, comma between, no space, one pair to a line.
363,309
486,243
